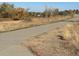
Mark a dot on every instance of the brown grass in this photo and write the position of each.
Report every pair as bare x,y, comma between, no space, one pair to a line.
13,25
71,32
49,43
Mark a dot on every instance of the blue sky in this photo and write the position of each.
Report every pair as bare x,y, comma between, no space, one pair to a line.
40,6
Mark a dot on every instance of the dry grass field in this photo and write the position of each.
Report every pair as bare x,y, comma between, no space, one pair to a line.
59,42
18,24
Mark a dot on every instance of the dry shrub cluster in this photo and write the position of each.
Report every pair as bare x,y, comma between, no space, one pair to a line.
70,32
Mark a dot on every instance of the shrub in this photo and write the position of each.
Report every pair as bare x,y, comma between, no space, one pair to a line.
70,32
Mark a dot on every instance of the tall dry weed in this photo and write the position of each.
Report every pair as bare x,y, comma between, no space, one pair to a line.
71,32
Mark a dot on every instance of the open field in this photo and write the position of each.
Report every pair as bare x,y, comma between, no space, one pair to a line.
39,29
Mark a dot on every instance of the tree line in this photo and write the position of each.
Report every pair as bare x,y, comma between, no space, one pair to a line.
10,11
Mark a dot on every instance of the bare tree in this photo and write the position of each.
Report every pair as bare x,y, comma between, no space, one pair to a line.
49,11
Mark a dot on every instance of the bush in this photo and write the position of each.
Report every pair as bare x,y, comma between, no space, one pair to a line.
70,32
